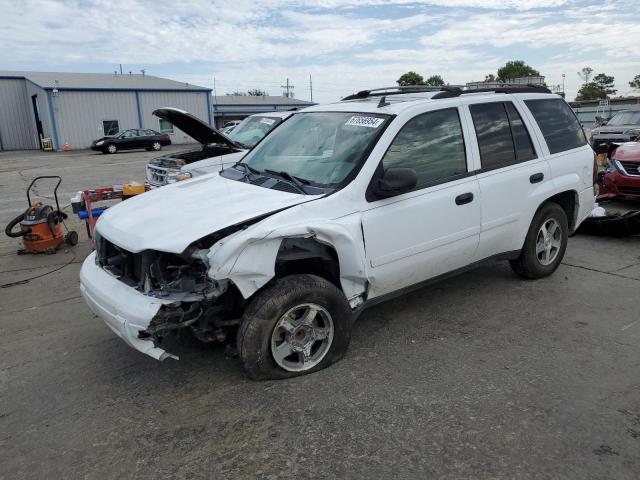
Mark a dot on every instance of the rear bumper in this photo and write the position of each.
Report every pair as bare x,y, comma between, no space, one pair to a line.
125,310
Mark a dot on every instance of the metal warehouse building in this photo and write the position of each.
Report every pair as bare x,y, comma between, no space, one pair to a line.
76,108
234,107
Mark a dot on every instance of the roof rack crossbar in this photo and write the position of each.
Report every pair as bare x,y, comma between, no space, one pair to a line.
397,91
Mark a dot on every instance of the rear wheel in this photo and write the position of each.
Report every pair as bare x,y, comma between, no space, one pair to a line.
298,325
156,146
545,243
112,148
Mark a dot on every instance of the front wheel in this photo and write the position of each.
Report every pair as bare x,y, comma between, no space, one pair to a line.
112,148
298,325
545,243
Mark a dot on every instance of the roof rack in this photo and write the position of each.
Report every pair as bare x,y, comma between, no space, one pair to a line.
448,91
378,92
507,88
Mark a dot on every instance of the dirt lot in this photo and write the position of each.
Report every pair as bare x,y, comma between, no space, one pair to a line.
482,376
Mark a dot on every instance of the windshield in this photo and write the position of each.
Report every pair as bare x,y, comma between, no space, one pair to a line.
253,129
320,147
625,118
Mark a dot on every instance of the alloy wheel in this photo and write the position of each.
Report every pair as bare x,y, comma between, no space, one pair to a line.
302,337
548,242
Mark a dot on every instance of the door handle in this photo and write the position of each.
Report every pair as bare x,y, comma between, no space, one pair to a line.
464,198
536,178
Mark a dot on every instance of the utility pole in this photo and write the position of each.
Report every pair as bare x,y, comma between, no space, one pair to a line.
288,89
311,87
215,101
120,69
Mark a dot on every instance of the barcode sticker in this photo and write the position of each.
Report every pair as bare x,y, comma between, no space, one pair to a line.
359,121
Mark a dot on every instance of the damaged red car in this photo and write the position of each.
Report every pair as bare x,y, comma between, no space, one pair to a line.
622,179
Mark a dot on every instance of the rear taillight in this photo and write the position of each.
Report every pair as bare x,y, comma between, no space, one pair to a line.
166,136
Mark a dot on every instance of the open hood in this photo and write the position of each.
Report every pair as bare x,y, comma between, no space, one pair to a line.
170,218
193,126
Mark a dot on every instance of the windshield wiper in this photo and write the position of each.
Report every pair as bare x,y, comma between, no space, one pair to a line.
247,170
296,181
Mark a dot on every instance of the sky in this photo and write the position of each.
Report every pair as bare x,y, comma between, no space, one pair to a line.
344,45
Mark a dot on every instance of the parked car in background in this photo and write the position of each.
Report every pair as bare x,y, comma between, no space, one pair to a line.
216,149
622,178
624,126
134,138
270,254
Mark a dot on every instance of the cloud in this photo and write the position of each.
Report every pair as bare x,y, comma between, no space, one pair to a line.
345,44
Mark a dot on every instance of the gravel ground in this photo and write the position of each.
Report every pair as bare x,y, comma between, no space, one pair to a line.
482,376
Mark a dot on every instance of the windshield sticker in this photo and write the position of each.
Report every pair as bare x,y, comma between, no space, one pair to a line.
268,121
371,122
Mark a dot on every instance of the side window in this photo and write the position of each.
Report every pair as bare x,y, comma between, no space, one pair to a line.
110,127
559,125
128,134
166,126
503,138
521,138
432,144
494,135
149,133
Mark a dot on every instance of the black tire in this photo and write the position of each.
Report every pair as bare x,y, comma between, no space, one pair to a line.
111,148
267,308
71,238
528,265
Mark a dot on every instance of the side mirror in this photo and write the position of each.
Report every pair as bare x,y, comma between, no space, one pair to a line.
396,181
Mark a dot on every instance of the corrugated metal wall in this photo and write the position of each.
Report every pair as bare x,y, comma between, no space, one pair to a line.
79,115
43,109
17,128
193,102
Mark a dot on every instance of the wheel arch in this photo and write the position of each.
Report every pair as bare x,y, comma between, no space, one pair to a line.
569,201
334,251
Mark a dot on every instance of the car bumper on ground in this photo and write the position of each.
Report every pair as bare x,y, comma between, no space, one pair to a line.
125,310
616,185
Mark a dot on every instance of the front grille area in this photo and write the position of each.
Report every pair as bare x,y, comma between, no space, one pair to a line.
150,270
156,175
629,190
631,168
125,265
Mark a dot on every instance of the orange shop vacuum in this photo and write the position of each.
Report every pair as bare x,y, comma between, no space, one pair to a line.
41,225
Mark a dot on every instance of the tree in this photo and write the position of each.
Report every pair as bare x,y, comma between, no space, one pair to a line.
514,69
256,92
236,93
410,78
585,74
598,89
434,81
635,83
490,78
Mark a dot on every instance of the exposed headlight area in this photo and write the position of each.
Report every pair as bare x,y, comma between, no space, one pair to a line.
160,274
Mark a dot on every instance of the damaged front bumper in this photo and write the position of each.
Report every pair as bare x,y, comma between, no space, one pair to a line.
125,310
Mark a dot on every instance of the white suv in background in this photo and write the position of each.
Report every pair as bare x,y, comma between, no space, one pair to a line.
343,206
216,149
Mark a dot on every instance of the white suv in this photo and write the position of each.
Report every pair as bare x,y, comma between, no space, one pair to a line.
340,207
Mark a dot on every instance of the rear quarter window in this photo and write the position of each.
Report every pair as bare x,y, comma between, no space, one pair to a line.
559,125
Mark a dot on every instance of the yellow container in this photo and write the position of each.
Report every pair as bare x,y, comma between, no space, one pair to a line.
130,189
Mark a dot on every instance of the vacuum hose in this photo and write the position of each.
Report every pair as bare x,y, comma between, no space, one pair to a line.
13,223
